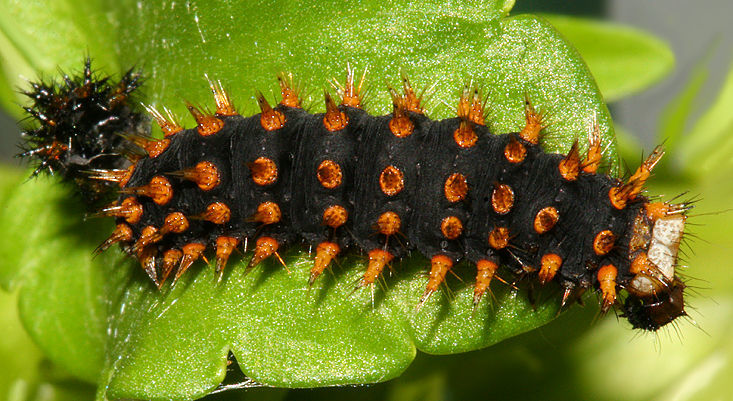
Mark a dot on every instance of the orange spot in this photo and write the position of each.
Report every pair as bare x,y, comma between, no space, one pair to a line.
159,190
400,125
550,264
171,259
151,146
329,174
204,174
642,265
264,248
485,270
334,119
569,167
607,283
440,265
122,233
391,181
502,198
167,123
175,222
325,252
514,151
270,119
464,135
593,160
455,188
224,248
156,148
389,223
604,242
148,236
545,219
263,170
191,253
378,258
217,213
289,92
499,238
130,210
148,232
451,227
268,213
534,123
617,198
656,210
335,216
207,123
224,106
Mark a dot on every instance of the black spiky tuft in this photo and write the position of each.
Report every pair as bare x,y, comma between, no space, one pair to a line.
77,125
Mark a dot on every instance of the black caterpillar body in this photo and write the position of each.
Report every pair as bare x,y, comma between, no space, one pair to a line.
386,186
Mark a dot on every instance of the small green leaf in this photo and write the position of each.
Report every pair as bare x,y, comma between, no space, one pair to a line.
623,60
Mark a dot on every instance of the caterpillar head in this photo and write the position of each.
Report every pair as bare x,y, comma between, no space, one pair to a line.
656,293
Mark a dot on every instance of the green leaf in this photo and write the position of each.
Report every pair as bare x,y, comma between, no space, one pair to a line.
623,60
102,320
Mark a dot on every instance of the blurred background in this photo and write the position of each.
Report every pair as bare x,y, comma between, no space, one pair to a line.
576,356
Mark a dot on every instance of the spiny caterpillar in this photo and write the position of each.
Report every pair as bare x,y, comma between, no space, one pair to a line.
383,185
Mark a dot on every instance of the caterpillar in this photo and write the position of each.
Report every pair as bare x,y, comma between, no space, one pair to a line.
345,180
